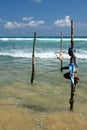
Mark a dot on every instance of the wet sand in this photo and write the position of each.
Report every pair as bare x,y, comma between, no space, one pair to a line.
26,107
12,118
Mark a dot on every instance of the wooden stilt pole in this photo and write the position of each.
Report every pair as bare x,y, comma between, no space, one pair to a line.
72,34
13,45
33,67
61,52
71,101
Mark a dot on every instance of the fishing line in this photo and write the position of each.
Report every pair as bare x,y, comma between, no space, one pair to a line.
45,73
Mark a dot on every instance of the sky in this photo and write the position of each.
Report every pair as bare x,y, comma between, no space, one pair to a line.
45,17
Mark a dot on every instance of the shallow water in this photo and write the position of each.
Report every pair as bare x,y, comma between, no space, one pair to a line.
50,93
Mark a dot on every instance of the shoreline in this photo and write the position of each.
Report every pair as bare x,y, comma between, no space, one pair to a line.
41,107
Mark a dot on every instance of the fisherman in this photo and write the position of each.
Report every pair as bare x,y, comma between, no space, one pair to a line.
73,68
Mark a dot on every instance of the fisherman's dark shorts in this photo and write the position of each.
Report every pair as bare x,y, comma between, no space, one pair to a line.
67,76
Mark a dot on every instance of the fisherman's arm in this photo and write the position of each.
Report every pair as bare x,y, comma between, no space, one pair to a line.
65,67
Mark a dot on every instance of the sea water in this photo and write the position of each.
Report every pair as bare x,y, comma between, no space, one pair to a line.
50,91
16,59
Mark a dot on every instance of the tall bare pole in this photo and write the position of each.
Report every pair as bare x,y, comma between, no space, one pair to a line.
33,57
72,34
71,101
61,52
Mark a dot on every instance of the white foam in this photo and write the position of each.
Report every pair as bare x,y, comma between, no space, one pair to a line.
41,55
42,39
15,39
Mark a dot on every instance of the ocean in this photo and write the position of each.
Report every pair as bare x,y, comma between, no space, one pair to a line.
45,103
16,59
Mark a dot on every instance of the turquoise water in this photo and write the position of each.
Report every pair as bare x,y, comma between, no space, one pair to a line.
16,66
50,92
16,59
